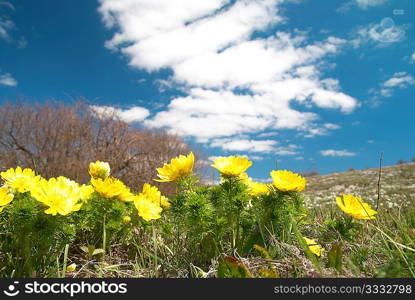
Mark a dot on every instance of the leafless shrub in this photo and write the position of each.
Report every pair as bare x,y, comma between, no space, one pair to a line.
311,173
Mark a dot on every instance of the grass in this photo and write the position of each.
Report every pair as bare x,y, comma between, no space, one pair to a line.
384,247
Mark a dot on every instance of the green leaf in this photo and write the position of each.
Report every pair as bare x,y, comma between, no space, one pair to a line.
335,257
91,251
300,239
85,249
97,251
230,267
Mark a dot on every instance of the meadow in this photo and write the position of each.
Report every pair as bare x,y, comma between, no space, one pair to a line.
322,226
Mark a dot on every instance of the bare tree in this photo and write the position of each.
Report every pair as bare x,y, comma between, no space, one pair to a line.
60,139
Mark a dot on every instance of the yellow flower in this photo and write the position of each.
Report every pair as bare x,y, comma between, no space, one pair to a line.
254,188
109,187
61,194
258,188
231,165
154,195
5,197
126,219
355,207
180,166
147,209
71,268
86,191
126,195
314,247
20,180
288,181
245,179
99,169
164,202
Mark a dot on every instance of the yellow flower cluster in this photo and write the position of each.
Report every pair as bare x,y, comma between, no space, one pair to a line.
149,202
61,194
237,165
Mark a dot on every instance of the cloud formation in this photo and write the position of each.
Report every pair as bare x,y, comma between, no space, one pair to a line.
365,4
336,153
236,81
7,80
133,114
399,80
6,25
362,4
382,34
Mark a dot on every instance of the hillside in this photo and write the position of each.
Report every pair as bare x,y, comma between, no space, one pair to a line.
397,186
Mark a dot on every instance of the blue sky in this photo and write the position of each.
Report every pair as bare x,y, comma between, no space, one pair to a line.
314,84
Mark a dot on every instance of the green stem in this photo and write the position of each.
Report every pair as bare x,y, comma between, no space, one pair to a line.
238,216
155,251
104,244
65,260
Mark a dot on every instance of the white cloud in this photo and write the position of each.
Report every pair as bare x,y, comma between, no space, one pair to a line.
209,47
321,130
256,158
381,34
399,80
133,114
7,79
267,134
331,152
332,126
362,4
386,93
413,57
365,4
6,25
265,146
256,146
